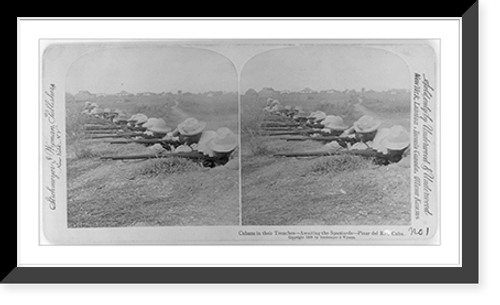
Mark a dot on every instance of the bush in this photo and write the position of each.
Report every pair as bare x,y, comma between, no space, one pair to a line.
75,122
251,120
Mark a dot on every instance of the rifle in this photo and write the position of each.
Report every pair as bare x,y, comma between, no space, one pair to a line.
137,128
300,120
279,124
281,128
367,153
276,119
187,155
293,132
104,131
98,121
197,156
100,126
315,126
145,141
324,139
118,135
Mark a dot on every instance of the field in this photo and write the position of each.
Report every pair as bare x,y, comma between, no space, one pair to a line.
332,190
154,192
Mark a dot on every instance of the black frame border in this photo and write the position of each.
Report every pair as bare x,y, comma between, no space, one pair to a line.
468,272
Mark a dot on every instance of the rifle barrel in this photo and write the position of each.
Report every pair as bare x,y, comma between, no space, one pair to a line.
324,139
370,153
277,119
280,125
296,139
124,135
131,157
100,132
190,155
103,127
120,142
144,141
295,132
281,129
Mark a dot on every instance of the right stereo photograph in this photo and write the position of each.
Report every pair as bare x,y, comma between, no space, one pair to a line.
326,135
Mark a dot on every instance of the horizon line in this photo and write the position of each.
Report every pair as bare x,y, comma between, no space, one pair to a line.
225,92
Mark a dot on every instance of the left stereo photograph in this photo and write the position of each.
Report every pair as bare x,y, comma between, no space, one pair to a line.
137,135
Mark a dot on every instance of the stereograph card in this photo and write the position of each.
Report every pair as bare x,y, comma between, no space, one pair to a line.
273,142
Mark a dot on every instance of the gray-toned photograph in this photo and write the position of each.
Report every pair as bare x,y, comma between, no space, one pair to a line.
151,137
325,136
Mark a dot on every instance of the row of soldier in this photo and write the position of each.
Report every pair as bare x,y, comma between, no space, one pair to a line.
364,134
189,136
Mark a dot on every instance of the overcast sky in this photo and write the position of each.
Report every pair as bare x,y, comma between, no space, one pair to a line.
196,70
326,67
151,69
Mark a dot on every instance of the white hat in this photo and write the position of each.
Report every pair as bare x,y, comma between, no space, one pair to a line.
140,118
206,136
157,147
359,146
160,126
382,133
132,118
225,141
318,115
334,122
150,122
183,148
398,139
366,124
97,110
122,117
191,126
334,145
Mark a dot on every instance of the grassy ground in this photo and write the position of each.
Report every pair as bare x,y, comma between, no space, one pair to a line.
333,190
155,192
